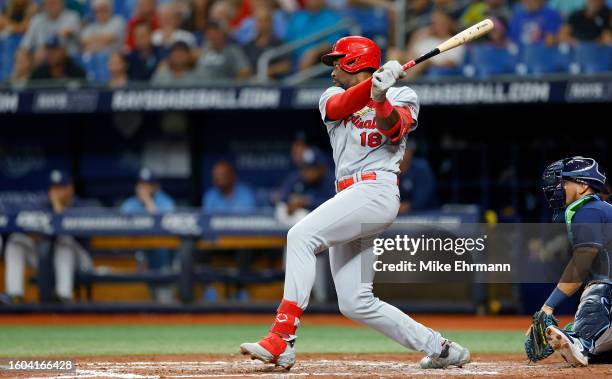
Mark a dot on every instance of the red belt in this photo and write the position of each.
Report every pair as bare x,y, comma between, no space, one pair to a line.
346,183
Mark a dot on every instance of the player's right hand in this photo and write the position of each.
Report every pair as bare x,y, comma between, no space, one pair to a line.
384,78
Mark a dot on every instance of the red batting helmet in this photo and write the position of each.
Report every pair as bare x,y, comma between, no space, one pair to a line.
356,53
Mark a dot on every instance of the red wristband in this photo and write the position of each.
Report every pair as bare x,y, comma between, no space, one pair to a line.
383,108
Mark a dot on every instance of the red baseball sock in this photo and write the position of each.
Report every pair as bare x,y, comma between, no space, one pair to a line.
287,320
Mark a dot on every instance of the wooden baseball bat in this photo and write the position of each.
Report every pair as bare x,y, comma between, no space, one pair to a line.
469,34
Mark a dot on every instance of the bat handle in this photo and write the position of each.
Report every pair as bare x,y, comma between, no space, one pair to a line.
409,65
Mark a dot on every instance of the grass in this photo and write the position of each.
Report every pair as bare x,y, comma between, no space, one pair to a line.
70,341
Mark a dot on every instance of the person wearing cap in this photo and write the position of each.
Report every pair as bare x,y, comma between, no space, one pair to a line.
150,198
53,20
106,32
417,183
21,248
308,187
178,68
220,59
57,65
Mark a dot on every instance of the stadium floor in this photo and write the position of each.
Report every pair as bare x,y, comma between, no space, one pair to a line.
200,346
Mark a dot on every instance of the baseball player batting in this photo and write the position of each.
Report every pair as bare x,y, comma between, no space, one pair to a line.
367,120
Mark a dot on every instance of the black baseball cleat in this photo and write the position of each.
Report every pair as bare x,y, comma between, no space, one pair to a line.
570,348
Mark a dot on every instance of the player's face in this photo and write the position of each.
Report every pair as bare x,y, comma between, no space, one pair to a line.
63,192
312,174
142,36
342,78
223,176
574,191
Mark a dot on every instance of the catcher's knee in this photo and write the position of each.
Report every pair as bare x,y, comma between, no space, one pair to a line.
593,315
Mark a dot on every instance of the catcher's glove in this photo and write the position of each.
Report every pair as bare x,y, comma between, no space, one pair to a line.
536,345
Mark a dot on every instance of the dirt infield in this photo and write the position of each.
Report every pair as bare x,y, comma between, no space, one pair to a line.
321,366
455,322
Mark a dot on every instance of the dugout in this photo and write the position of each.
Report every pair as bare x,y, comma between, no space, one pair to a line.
483,152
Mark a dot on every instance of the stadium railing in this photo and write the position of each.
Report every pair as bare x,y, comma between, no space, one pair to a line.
263,63
186,231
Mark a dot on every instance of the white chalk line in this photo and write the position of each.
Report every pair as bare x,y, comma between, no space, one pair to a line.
125,370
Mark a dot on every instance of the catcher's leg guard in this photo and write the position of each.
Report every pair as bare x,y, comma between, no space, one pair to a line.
593,318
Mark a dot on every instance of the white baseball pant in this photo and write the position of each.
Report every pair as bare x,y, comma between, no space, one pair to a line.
21,249
346,224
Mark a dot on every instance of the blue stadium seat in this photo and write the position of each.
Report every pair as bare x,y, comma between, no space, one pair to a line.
540,59
442,72
487,60
374,22
124,8
593,58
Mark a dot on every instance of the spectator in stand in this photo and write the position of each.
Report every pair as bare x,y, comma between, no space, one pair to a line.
150,198
54,20
265,40
418,8
58,65
117,68
417,183
247,30
169,28
243,9
566,7
177,70
16,15
199,14
480,10
22,69
313,18
534,22
589,24
106,33
442,28
21,248
220,59
451,7
306,188
144,58
222,12
228,195
145,13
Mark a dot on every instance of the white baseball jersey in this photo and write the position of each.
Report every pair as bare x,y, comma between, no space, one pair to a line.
357,145
347,223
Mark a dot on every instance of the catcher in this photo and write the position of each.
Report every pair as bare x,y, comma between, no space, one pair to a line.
573,184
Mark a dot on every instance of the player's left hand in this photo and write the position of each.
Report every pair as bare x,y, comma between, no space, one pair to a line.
384,78
536,345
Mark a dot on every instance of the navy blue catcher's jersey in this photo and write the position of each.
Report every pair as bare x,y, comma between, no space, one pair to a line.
589,224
